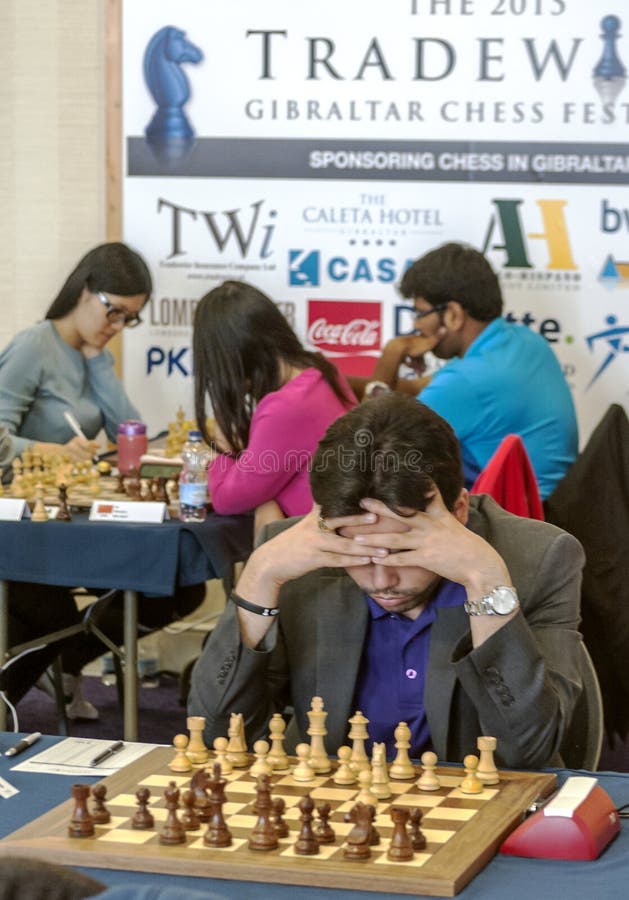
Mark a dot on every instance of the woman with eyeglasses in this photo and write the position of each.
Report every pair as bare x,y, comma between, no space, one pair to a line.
61,364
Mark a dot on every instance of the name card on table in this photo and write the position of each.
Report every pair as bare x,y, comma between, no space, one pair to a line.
128,511
13,509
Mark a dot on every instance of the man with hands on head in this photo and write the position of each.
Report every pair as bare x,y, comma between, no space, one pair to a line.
403,597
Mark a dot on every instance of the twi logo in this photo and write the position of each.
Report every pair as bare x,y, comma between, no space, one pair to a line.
507,235
616,341
615,273
307,269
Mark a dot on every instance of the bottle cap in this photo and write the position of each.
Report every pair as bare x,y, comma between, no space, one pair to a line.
194,436
132,426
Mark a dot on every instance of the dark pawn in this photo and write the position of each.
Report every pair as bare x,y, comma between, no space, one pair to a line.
81,823
417,838
263,835
323,830
64,513
277,811
173,831
142,819
306,843
401,847
189,817
100,813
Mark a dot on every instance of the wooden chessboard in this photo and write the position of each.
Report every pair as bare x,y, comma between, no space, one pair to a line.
463,832
80,496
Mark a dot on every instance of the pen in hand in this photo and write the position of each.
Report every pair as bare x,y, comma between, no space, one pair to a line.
115,748
76,428
24,744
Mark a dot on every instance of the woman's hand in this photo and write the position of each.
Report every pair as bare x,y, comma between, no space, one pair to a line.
78,449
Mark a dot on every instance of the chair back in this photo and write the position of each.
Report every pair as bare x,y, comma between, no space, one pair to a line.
581,746
509,478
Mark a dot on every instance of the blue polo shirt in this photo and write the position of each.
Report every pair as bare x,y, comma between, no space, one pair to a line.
508,382
392,678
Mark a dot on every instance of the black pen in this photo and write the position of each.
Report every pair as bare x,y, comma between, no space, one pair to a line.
24,744
107,753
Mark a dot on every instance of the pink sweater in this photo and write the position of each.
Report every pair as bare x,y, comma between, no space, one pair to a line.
286,427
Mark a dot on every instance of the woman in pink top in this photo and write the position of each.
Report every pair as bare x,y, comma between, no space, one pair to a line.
272,402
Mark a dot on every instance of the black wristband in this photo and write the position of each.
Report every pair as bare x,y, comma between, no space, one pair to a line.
253,607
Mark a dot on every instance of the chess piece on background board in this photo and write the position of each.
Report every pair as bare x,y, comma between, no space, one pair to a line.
471,784
358,735
63,515
196,751
317,731
263,835
142,819
100,813
277,755
344,774
402,768
401,847
39,513
173,831
306,843
81,823
429,780
487,771
180,762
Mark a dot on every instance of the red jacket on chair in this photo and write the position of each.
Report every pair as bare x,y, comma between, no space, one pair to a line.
508,477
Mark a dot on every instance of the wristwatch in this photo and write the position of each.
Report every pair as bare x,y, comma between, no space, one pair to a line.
499,602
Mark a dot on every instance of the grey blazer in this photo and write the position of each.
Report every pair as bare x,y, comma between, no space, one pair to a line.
519,686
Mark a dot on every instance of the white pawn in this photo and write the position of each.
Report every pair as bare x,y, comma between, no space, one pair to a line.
180,762
429,780
277,755
303,770
365,794
220,749
471,783
261,765
402,767
344,774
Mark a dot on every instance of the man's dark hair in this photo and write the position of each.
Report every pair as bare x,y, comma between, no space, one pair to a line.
455,272
391,448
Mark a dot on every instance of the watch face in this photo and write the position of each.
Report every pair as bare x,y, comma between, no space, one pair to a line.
504,600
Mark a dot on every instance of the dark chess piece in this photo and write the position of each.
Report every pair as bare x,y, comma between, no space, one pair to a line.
142,818
64,512
173,831
401,847
160,494
263,835
217,834
189,817
81,823
306,843
100,813
277,811
198,784
120,489
418,839
360,837
324,831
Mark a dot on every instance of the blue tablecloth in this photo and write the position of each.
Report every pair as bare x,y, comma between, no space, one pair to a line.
140,557
505,878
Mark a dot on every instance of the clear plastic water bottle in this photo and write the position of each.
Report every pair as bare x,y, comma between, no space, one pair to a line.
193,479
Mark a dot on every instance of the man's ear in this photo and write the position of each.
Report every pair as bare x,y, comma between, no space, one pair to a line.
461,506
454,316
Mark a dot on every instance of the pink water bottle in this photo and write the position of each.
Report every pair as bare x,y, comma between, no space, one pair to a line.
132,443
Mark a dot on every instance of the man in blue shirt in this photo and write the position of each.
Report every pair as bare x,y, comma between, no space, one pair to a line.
500,378
403,597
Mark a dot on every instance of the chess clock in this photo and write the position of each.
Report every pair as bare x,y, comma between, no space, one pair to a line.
160,470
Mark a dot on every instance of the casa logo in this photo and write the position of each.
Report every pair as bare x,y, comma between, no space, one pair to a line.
347,332
307,268
530,241
615,273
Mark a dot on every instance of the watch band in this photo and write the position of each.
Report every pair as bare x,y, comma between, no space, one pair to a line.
254,607
501,601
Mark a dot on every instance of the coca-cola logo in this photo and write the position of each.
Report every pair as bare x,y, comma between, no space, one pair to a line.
355,333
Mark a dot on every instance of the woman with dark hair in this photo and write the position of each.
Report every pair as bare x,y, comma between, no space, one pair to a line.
271,398
61,364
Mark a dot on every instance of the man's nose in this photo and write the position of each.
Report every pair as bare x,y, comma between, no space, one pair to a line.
384,577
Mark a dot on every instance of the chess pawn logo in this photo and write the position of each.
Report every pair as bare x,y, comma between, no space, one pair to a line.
609,75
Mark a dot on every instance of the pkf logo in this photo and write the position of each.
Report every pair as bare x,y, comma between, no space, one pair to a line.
348,333
506,233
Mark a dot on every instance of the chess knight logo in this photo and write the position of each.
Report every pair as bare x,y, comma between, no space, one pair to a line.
165,53
609,74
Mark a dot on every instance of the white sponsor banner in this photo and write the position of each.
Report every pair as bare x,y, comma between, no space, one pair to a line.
315,153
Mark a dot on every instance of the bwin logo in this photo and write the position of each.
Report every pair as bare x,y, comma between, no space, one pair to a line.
165,53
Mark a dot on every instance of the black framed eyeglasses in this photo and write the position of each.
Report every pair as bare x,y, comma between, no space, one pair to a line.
116,314
440,307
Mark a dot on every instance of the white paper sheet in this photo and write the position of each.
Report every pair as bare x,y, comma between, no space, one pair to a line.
72,756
